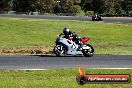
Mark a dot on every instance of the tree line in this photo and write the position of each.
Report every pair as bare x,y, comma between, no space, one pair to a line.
111,7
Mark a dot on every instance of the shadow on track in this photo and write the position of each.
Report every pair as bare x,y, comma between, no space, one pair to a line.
96,55
58,56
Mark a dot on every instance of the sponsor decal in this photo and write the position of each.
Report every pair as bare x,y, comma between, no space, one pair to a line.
83,78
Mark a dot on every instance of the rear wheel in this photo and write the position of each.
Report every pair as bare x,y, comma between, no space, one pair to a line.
88,52
60,50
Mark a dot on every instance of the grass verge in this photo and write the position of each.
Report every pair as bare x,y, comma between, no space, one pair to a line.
54,79
17,34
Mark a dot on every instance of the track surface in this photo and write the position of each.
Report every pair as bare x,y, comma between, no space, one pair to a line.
53,62
83,18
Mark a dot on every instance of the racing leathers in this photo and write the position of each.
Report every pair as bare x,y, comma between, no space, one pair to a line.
75,38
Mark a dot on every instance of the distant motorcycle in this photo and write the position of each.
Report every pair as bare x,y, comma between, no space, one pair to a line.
68,47
96,18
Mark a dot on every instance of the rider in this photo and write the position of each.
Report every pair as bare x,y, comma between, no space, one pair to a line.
75,39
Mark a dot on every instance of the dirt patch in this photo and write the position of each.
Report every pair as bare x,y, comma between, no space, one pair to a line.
29,51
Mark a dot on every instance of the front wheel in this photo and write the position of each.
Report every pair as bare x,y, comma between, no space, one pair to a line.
60,50
89,51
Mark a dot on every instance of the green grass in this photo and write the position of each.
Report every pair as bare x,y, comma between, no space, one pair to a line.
107,38
54,79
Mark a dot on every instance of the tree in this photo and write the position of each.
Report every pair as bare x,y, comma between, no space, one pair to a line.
45,6
77,2
86,5
93,5
98,6
5,5
70,6
112,6
24,5
126,5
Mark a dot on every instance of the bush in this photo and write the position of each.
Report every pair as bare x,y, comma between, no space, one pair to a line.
77,9
89,13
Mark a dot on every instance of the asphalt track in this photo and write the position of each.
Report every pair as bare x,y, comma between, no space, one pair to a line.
70,62
82,18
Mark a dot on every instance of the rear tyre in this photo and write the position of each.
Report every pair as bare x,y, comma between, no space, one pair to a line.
60,50
88,52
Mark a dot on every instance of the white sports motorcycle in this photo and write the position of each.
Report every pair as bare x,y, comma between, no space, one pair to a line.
68,47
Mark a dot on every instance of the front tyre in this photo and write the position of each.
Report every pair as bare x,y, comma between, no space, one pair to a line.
89,52
60,50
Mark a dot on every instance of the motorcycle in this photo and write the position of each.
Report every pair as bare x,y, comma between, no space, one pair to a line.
65,46
96,18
